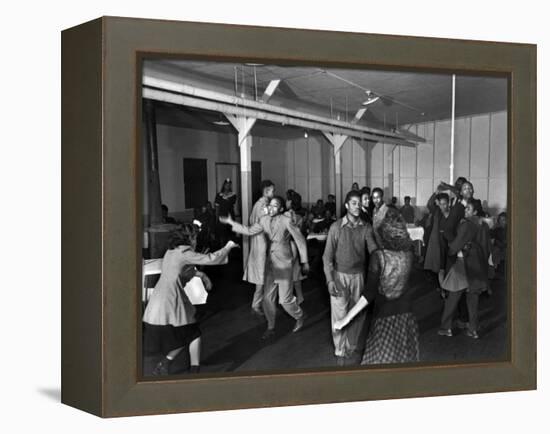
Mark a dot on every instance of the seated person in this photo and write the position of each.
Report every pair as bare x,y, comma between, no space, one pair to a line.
408,211
318,209
331,204
323,225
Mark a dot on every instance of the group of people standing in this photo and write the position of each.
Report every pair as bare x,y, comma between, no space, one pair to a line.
366,238
367,261
458,250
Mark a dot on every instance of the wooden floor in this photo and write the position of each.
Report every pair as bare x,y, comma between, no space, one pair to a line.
231,334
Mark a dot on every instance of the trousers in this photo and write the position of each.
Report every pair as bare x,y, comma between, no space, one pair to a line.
285,290
451,305
346,341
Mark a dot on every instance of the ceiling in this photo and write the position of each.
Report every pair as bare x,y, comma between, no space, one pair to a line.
405,97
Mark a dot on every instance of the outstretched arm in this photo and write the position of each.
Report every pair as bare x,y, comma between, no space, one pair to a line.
214,258
255,229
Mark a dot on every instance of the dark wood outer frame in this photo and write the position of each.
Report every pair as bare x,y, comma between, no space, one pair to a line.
101,189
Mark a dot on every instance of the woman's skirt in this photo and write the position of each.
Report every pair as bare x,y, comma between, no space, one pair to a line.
456,279
392,339
165,338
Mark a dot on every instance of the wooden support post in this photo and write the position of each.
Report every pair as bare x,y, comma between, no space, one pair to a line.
338,181
245,147
244,125
337,141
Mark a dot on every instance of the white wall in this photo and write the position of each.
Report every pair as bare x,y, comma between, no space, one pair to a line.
175,144
307,164
480,155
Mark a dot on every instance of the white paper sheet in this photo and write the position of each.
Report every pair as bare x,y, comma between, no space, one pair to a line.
195,291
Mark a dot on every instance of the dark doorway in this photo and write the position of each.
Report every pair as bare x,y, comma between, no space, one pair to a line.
195,182
256,180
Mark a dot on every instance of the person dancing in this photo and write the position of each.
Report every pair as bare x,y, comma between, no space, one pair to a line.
468,270
344,263
169,318
393,336
255,267
279,231
292,205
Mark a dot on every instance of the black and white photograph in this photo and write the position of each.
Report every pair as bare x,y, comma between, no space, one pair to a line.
306,217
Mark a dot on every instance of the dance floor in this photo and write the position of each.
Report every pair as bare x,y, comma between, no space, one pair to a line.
231,334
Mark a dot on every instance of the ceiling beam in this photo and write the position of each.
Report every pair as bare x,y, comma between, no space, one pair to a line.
189,101
181,88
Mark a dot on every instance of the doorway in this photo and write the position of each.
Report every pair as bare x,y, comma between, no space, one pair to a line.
195,182
256,180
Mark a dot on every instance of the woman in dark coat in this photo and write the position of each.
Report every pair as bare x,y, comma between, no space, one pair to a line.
437,245
393,335
456,213
467,270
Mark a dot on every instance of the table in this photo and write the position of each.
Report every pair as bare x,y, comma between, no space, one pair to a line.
416,233
150,267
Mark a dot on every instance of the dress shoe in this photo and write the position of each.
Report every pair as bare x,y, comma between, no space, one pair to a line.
257,312
194,369
268,334
162,367
299,323
472,333
445,332
340,361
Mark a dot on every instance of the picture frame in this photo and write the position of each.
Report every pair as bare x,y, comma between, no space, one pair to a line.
101,266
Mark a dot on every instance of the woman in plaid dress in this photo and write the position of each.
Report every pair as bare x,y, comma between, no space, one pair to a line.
393,336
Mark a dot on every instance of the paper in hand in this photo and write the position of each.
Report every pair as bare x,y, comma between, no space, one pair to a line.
195,291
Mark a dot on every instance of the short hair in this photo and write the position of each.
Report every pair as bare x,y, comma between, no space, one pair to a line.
331,196
459,181
280,200
407,198
503,214
164,207
476,204
443,196
352,193
265,184
379,190
183,236
365,190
